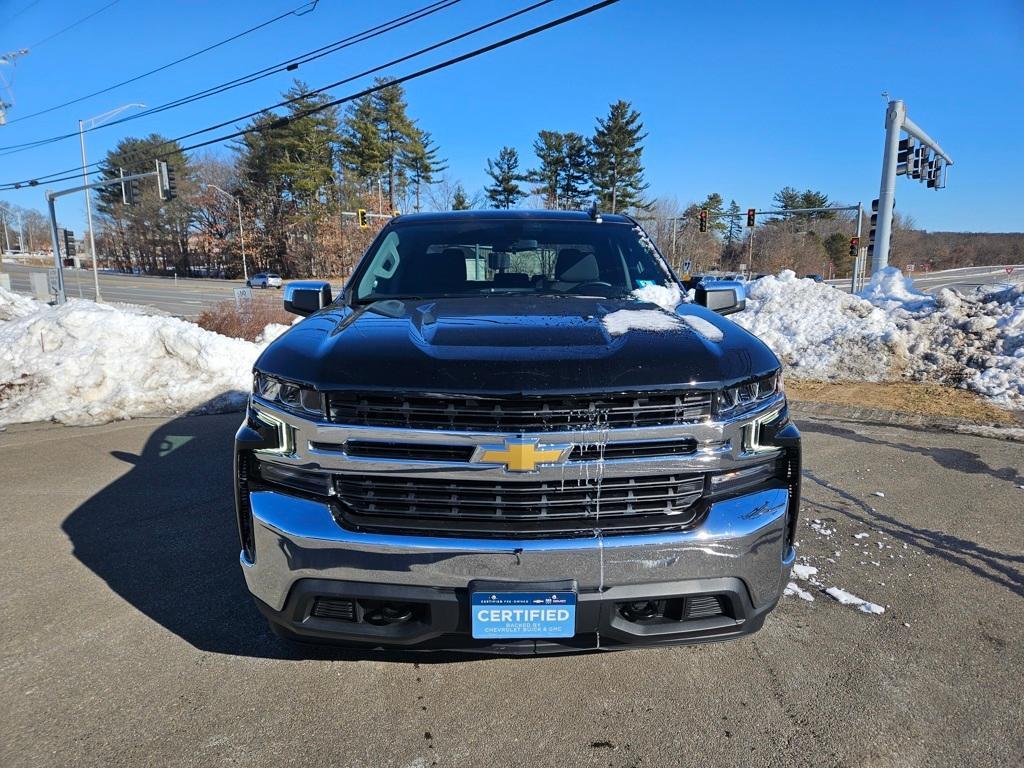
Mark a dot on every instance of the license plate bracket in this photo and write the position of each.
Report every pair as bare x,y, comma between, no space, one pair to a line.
518,615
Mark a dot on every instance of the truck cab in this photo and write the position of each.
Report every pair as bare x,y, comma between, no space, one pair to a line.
512,432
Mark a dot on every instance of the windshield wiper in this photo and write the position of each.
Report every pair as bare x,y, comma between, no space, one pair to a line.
374,297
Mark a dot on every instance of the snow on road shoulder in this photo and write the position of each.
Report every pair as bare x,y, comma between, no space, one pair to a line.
86,363
892,332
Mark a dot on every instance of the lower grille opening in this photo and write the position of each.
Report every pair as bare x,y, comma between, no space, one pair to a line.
380,613
674,610
334,608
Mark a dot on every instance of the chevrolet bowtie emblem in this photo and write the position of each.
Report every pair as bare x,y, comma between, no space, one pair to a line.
521,455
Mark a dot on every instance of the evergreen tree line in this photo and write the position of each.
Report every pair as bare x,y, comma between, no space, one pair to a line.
573,169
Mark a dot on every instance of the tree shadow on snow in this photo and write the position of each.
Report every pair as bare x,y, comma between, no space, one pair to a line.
164,538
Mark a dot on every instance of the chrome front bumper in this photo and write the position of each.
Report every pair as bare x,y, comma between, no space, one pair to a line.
297,538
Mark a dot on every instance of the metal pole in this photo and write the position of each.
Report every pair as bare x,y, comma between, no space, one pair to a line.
241,239
61,296
88,214
7,235
894,117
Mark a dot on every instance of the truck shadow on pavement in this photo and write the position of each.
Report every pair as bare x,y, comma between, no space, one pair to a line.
163,537
1000,568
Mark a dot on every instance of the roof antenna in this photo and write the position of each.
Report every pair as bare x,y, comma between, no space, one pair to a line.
593,213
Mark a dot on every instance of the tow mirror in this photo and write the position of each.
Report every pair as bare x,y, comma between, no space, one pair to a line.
720,299
306,297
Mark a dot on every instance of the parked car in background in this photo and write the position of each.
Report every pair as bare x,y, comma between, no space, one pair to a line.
816,278
265,280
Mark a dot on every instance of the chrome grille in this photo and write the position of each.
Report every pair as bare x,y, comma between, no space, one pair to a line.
519,414
520,505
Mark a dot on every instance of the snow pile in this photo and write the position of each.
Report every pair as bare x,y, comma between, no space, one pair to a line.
13,305
819,332
86,363
890,289
892,333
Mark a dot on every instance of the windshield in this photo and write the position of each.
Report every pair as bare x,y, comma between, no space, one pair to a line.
474,257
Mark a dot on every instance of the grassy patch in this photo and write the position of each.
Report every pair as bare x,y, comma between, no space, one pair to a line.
922,399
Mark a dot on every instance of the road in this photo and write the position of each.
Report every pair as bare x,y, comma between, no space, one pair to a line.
129,639
182,298
961,279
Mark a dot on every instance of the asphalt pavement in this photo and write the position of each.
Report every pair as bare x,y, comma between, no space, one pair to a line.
128,637
961,279
183,297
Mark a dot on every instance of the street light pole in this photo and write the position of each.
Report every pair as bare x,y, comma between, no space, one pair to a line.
85,180
241,231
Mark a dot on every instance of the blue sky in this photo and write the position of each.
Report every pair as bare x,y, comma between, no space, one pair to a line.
738,98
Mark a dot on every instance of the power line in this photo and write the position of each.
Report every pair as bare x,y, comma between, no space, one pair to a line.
18,13
73,24
288,65
365,92
344,81
295,12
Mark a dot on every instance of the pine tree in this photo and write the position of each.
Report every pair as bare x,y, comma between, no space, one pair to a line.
506,191
396,132
789,199
576,174
617,173
419,158
733,224
713,205
362,152
459,200
550,151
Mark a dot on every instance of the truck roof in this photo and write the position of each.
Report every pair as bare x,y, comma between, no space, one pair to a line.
513,214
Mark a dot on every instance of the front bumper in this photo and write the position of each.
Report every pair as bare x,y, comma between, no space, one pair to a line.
741,555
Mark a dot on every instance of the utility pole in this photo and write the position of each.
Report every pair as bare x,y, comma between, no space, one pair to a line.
897,121
241,232
94,121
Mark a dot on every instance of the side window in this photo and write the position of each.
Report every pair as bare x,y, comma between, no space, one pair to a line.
383,267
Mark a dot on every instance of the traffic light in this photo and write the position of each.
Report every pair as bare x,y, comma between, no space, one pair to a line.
131,194
916,162
750,216
854,245
906,146
361,218
69,244
935,174
166,183
871,232
703,219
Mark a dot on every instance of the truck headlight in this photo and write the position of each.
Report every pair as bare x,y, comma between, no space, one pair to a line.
290,396
734,401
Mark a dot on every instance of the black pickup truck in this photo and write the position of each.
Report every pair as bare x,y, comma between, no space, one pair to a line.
514,432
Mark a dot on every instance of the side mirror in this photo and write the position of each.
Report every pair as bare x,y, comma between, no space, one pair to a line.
306,297
720,299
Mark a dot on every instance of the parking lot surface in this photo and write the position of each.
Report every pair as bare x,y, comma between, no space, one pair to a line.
129,637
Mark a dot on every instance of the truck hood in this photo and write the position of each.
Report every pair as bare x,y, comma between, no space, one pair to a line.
515,344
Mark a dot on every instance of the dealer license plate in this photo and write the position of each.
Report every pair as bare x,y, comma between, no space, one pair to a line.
506,615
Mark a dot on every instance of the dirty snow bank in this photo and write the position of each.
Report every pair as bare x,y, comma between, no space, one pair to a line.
892,333
87,363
